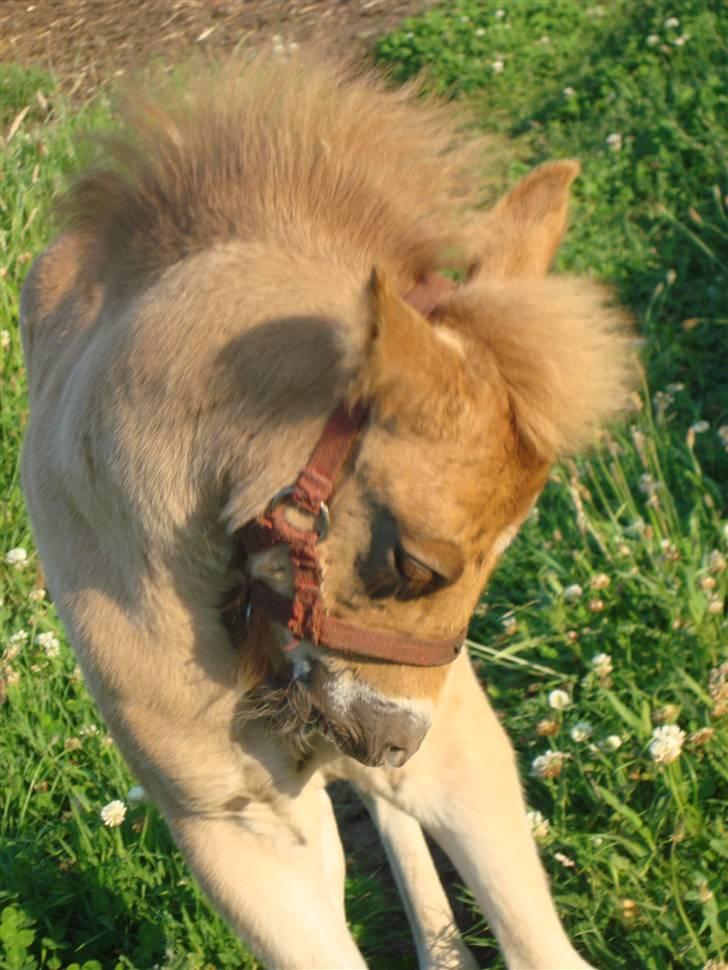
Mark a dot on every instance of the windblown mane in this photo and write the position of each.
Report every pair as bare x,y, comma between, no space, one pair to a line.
307,153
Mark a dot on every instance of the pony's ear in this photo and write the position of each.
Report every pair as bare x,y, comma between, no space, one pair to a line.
411,369
520,235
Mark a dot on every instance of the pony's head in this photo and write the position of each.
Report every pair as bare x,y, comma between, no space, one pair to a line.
468,411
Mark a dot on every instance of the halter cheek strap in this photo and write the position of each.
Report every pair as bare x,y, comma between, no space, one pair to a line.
304,615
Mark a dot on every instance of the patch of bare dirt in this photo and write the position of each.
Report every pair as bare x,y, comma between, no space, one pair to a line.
89,43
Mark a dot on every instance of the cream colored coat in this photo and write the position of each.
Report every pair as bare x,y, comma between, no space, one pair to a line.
180,373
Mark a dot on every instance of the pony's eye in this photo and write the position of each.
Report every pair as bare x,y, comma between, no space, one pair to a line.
411,568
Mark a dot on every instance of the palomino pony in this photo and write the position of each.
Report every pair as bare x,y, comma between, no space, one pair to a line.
272,458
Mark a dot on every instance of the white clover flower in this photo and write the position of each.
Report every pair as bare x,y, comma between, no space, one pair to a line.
672,22
565,860
666,714
548,765
50,644
539,824
666,743
11,676
88,730
723,434
37,595
510,625
662,401
700,427
715,604
716,562
600,581
559,699
653,40
499,14
135,795
479,31
573,592
611,743
702,736
113,814
581,732
601,664
547,727
669,549
568,91
614,141
648,486
18,638
638,527
4,339
497,66
16,558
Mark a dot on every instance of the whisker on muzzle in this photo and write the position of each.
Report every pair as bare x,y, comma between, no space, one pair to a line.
286,708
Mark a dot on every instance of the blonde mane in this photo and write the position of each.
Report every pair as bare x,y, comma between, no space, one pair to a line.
307,153
316,163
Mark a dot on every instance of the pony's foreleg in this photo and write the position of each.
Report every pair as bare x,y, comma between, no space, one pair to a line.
331,852
274,888
439,946
464,788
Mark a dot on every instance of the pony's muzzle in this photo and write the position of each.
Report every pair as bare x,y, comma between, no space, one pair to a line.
383,733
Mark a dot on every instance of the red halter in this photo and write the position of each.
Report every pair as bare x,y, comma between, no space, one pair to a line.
305,615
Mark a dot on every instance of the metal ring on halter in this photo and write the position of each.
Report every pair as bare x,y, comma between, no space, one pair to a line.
321,524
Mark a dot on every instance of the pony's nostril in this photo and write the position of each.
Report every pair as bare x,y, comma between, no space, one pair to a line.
395,756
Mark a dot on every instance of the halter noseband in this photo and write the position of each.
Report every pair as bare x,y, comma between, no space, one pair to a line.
304,615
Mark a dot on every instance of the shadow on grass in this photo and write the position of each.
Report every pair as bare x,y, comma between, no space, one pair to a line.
373,907
85,919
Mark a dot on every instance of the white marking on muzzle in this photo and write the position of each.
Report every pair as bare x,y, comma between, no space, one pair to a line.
346,690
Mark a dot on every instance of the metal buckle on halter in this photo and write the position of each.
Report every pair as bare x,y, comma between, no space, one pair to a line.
322,520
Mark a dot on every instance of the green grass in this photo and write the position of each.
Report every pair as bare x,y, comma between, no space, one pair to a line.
648,842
